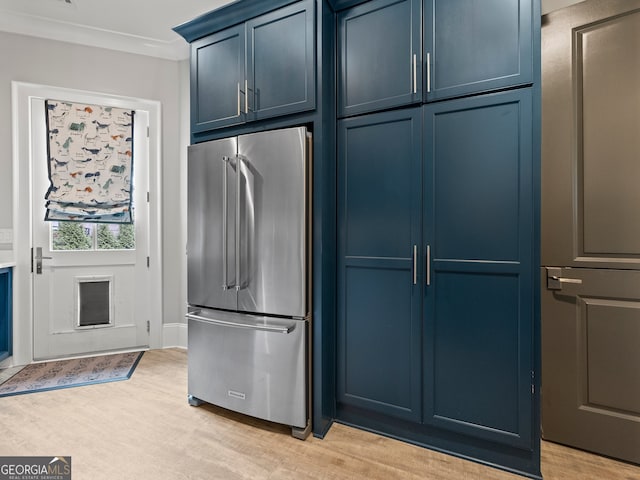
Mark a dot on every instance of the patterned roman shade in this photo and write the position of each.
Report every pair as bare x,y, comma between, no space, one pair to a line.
90,156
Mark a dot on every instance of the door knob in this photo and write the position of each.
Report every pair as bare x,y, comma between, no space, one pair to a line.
555,280
38,259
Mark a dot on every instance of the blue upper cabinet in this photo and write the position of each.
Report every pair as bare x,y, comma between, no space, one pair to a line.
264,67
280,62
379,56
217,77
472,46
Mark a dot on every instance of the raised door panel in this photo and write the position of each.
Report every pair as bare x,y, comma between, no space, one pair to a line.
379,56
590,359
217,77
379,346
473,46
281,61
479,310
591,107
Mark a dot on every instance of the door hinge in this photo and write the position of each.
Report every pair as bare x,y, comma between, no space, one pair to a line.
148,197
148,262
533,383
148,132
148,326
31,259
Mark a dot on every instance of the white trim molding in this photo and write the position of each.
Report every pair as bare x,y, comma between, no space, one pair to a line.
174,335
52,29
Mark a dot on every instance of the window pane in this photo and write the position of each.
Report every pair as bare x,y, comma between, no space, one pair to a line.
116,236
71,236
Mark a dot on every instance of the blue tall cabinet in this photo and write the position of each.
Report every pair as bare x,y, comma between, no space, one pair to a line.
425,115
478,225
379,292
437,317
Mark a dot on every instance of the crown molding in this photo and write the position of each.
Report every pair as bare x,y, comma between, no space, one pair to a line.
36,26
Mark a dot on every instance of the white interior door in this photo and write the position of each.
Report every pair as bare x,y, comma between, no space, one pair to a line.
91,287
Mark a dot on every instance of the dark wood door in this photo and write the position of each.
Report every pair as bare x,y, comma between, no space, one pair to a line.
591,227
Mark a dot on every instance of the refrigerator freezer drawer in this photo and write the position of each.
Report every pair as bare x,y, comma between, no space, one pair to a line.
250,364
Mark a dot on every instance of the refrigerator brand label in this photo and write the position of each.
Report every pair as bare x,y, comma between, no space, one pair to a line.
239,395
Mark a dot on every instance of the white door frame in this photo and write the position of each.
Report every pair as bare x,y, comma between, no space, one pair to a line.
22,285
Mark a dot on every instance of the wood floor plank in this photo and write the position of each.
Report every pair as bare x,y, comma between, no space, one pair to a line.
144,428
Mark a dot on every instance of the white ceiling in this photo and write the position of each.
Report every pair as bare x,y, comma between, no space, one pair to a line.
137,26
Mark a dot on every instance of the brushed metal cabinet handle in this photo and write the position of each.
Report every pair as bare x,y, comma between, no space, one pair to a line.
428,266
428,72
246,96
239,112
415,73
415,264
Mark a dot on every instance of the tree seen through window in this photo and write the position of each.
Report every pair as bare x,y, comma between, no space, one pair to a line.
92,236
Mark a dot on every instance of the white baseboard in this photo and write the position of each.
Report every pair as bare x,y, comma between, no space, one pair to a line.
174,335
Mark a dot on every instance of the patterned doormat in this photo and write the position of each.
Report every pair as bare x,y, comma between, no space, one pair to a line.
40,377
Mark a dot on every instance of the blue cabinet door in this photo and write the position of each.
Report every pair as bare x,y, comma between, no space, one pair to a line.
6,313
473,46
281,61
479,307
379,56
217,80
379,289
261,68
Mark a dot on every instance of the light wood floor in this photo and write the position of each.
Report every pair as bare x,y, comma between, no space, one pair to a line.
143,428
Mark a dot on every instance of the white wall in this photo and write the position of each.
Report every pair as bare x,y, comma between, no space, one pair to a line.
48,62
550,5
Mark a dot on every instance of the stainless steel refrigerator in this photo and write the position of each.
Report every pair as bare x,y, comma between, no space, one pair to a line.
249,275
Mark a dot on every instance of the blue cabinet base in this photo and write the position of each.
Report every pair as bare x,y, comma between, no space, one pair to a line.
519,461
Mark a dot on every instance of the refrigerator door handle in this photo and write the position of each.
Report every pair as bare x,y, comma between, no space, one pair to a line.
225,218
284,329
238,220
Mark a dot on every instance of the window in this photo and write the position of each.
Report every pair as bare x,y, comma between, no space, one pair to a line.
70,236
